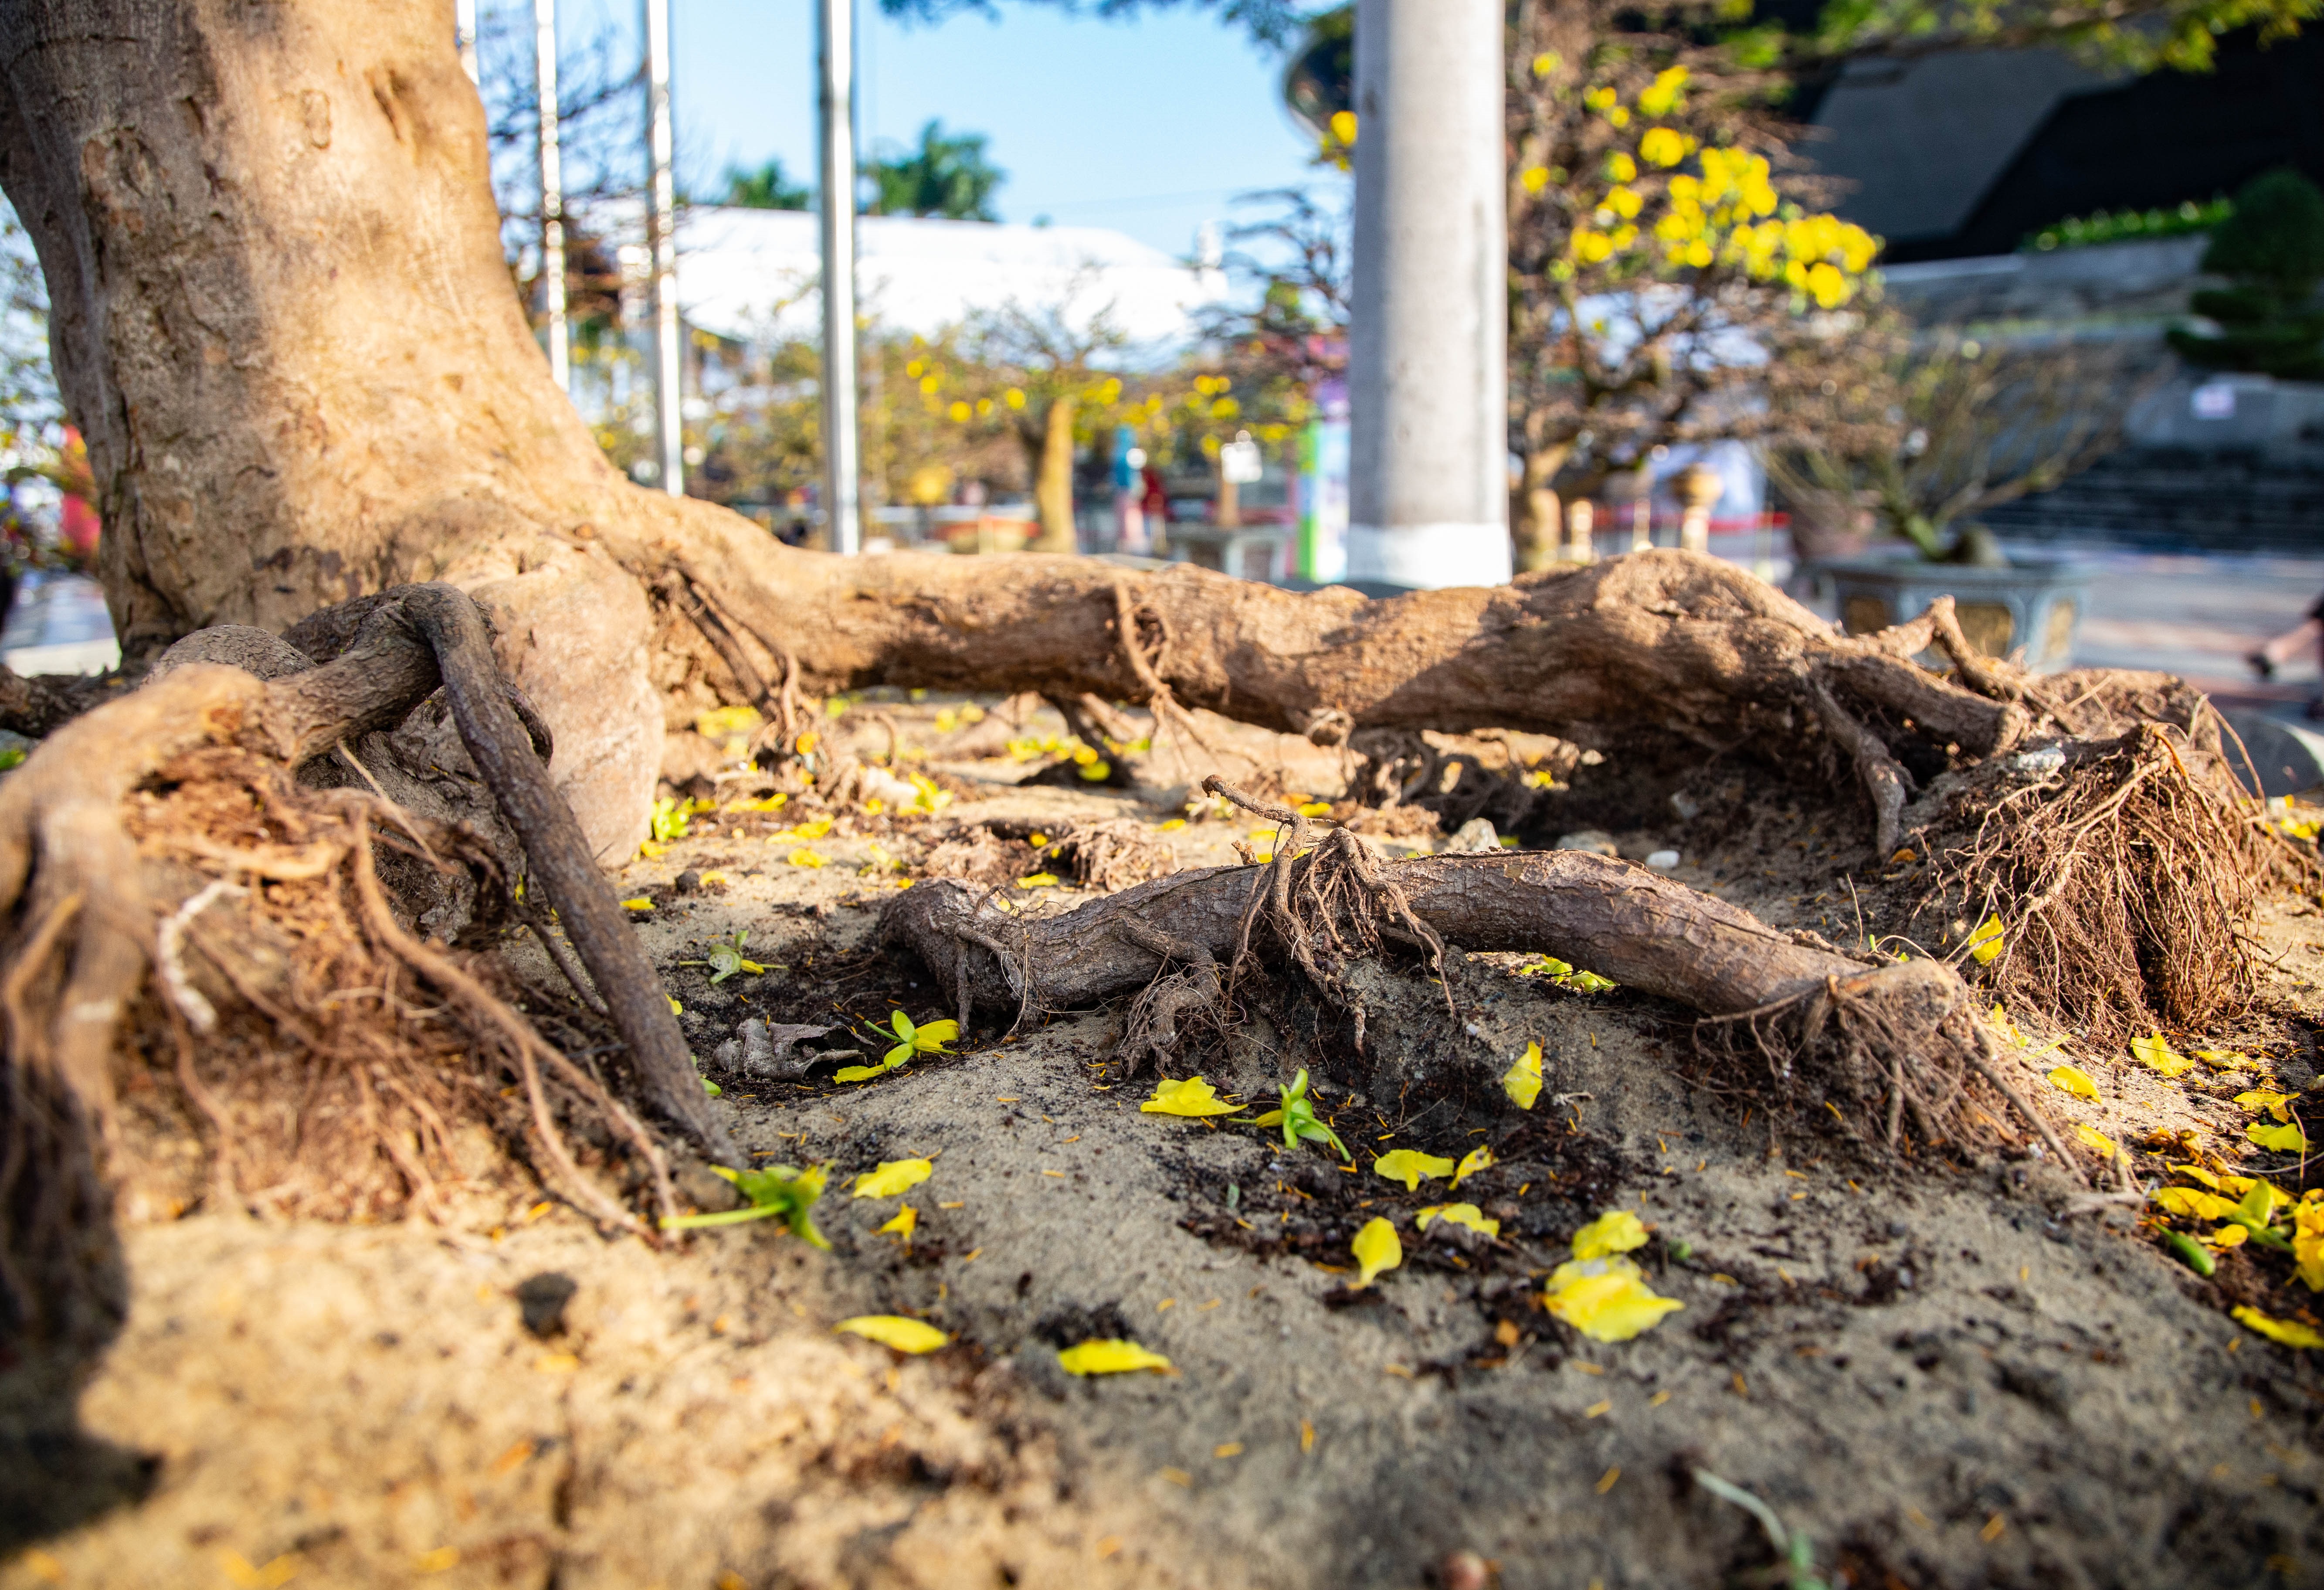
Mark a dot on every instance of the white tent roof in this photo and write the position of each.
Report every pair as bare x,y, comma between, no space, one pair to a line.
751,274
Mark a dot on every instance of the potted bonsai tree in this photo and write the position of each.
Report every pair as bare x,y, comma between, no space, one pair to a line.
1983,423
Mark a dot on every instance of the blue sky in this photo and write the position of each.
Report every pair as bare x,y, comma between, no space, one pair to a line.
1151,125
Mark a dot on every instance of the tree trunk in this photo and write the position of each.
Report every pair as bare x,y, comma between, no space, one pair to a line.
1533,520
1053,489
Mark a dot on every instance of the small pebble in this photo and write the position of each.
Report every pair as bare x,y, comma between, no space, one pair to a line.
1463,1570
1662,861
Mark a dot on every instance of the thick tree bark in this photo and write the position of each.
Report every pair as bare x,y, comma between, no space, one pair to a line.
282,316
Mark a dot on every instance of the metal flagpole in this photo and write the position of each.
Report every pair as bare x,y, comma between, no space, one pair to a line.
552,192
835,59
464,38
661,218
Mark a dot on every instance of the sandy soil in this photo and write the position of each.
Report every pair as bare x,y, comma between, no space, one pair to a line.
1941,1374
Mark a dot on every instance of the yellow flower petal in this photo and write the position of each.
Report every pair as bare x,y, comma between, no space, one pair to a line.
1522,1082
1467,1214
1038,881
1377,1248
2076,1081
804,858
892,1177
2308,1244
1193,1097
1617,1231
906,1221
2290,1333
639,903
2288,1140
2229,1236
2096,1142
1479,1158
1409,1166
2155,1051
1986,942
722,722
1608,1305
1114,1358
2194,1205
894,1330
2262,1098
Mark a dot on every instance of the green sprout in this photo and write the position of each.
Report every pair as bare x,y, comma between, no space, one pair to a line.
929,1040
669,820
776,1192
1297,1119
1793,1546
2253,1215
726,955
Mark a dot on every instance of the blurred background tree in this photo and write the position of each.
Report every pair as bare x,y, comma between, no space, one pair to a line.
947,176
1981,424
2270,250
765,187
1663,289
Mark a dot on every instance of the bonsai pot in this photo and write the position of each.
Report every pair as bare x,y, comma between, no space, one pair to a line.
2034,605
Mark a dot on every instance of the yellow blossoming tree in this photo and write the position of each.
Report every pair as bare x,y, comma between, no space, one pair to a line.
1669,280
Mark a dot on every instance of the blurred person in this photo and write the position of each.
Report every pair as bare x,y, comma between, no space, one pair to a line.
2275,653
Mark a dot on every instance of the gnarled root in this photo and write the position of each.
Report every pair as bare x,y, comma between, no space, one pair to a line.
136,831
1903,1033
2124,878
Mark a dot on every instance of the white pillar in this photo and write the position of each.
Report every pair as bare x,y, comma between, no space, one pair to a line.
661,227
464,38
836,105
1429,326
552,192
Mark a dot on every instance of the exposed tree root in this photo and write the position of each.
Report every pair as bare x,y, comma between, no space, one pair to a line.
2124,875
1893,1039
167,826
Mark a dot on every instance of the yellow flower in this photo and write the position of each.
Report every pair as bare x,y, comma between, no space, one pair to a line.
906,1221
1621,168
960,411
894,1330
1014,397
1661,96
1193,1097
1623,201
1343,127
1522,1081
804,858
1534,179
1698,253
1662,147
1616,1230
1409,1166
1546,62
1377,1248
